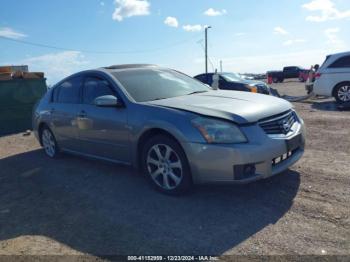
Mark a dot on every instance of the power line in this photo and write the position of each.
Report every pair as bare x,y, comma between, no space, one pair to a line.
94,51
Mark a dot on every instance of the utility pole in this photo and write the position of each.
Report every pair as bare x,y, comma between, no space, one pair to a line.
221,66
206,49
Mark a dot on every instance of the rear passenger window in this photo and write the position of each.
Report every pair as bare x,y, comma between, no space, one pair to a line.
341,62
95,87
209,79
68,92
201,78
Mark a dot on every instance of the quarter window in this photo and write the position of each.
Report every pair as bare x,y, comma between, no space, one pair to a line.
95,87
341,62
69,91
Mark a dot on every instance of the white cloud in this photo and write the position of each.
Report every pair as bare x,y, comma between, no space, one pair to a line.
333,39
129,8
213,12
10,33
56,65
171,21
294,41
280,31
193,28
327,10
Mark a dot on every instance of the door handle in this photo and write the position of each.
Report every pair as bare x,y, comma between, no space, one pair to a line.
52,110
82,114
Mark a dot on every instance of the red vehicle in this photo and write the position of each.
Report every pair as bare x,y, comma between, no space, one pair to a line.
304,75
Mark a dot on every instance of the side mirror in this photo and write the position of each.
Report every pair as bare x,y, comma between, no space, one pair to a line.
106,101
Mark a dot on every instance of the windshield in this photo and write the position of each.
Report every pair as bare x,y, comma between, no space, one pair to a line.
231,77
154,84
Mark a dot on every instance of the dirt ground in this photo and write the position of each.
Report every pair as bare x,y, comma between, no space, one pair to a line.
79,206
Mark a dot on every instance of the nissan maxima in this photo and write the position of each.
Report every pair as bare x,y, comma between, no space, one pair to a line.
175,129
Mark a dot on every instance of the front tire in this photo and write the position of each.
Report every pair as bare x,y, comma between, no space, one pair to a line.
165,165
342,93
49,143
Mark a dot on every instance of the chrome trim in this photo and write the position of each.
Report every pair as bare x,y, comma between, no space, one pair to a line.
276,118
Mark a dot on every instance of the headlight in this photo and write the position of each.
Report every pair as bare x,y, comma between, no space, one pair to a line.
218,132
252,88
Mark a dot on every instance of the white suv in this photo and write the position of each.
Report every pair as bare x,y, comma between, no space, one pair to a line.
333,77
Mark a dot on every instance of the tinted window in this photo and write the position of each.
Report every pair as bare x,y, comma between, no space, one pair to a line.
341,62
95,87
152,84
201,78
69,91
291,68
209,79
205,78
55,92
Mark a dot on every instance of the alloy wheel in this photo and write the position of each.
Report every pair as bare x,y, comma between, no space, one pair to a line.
48,143
344,93
164,166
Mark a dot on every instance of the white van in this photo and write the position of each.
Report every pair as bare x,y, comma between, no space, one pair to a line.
333,77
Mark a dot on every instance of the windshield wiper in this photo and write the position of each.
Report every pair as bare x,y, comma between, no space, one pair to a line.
197,92
159,98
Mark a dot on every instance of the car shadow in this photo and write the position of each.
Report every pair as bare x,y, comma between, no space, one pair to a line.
105,209
325,105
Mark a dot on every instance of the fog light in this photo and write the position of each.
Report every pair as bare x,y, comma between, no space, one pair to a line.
244,171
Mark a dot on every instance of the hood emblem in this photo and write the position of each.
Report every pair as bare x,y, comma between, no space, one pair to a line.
286,126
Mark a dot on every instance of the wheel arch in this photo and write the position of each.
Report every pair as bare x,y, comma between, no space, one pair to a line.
337,85
147,134
40,130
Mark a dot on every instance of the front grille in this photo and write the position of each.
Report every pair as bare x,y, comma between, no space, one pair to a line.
279,124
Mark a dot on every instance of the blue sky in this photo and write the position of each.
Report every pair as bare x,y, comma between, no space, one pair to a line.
248,36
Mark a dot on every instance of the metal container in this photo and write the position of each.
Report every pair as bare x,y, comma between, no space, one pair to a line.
17,99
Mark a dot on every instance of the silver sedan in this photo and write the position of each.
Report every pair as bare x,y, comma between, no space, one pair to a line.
175,129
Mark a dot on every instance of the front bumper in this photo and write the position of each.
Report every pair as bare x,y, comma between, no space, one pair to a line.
224,163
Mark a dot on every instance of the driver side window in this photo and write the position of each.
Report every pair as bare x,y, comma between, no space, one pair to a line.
95,87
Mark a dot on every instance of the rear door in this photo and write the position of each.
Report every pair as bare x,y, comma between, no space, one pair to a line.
337,72
103,131
64,109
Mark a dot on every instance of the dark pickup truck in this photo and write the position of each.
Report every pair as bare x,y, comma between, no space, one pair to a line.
288,72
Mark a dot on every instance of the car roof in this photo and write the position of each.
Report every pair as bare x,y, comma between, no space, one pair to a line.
340,54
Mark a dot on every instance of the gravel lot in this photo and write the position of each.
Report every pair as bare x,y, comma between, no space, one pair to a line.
79,206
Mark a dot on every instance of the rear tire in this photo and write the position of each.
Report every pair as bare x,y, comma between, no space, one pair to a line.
165,165
49,143
342,92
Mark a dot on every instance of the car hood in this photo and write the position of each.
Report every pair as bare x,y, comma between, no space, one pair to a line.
240,107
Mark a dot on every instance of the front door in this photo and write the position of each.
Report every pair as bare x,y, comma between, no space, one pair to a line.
103,131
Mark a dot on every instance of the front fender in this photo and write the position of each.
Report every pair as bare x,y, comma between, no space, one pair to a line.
175,122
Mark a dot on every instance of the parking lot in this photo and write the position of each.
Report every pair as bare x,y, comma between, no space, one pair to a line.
79,206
